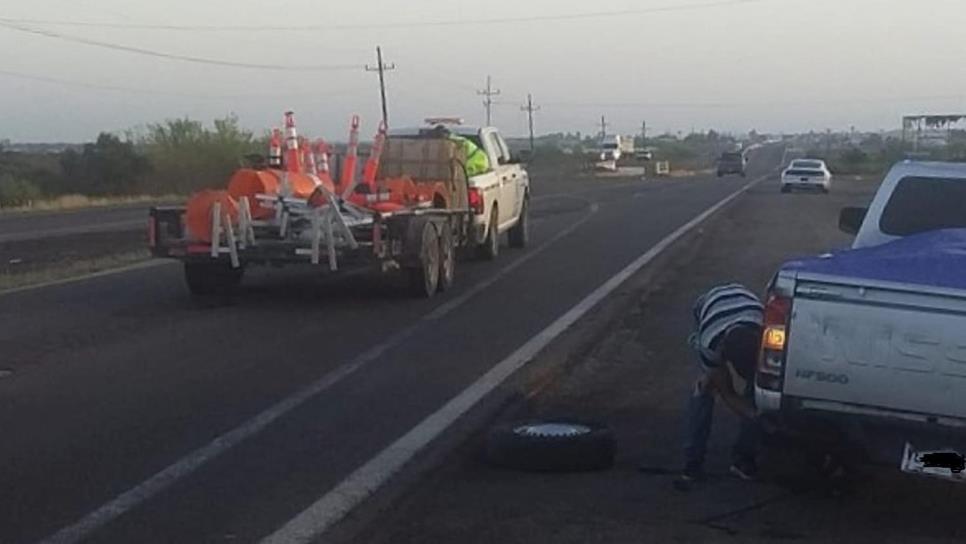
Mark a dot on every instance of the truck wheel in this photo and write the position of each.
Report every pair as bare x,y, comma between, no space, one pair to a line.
520,233
490,249
211,278
551,446
424,278
447,259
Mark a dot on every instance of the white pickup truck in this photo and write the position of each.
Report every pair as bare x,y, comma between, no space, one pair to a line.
871,341
500,197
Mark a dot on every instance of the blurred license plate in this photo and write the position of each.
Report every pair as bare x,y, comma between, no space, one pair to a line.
946,464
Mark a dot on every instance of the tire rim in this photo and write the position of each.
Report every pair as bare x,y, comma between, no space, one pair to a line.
555,430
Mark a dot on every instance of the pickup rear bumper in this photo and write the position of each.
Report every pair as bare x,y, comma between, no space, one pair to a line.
875,436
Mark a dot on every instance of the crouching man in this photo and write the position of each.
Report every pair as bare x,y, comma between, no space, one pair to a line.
726,339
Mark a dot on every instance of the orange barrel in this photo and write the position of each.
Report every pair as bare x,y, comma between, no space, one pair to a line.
248,182
198,212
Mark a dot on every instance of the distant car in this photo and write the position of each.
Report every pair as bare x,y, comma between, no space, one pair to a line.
644,155
806,174
732,162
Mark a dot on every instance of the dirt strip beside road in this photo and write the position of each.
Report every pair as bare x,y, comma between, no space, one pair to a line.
637,380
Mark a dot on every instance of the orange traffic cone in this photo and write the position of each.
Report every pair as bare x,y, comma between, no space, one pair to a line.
351,158
308,157
275,149
293,160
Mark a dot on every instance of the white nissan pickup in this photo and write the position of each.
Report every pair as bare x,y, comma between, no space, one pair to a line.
499,197
872,339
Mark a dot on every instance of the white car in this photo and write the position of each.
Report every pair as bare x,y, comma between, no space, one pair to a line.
806,174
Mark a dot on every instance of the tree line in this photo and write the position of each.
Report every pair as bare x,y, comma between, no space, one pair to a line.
173,157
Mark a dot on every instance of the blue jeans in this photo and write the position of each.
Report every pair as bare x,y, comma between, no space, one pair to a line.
699,414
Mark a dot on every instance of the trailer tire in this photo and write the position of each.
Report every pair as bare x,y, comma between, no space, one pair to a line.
520,233
490,249
551,446
424,277
447,259
205,279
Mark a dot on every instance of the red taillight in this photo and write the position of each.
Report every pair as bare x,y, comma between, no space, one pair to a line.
476,201
774,338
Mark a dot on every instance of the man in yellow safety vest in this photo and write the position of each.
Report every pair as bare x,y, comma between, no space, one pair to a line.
477,161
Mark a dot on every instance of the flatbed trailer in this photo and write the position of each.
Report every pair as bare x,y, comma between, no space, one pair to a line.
339,237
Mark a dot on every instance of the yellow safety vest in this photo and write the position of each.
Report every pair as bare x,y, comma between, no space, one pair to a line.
477,161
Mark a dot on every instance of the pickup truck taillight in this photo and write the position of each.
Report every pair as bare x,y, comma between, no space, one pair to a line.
476,201
773,341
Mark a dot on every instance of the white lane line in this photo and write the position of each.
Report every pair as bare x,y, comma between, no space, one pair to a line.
73,279
364,481
221,444
479,287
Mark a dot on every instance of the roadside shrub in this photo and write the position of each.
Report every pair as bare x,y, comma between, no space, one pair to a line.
108,166
17,192
186,156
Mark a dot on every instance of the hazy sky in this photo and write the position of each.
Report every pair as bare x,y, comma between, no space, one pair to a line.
773,65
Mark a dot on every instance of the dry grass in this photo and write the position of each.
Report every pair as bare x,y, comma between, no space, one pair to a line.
72,202
72,269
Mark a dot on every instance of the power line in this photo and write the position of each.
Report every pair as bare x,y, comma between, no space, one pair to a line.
530,108
711,4
672,105
382,68
489,92
171,56
137,90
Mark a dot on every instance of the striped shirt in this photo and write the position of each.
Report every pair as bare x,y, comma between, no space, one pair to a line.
718,311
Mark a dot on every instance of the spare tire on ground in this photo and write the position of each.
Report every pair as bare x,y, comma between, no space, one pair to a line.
557,445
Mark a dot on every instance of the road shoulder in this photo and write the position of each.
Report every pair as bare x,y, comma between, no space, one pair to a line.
628,365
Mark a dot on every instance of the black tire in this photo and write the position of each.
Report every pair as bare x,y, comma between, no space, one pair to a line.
551,446
490,249
786,189
744,175
447,260
424,277
520,233
205,279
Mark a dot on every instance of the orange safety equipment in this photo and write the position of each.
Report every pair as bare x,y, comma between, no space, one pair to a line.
275,149
351,158
198,212
249,182
293,161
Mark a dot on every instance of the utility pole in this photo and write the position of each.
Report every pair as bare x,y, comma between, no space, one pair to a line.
489,92
603,127
530,108
382,68
643,134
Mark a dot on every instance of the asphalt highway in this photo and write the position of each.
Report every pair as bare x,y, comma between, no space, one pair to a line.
115,388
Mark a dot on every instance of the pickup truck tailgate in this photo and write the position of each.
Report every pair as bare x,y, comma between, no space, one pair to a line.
889,346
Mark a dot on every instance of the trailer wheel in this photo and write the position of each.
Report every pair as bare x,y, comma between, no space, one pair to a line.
424,278
490,249
447,260
520,233
211,278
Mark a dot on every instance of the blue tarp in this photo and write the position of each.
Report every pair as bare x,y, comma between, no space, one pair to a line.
936,258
